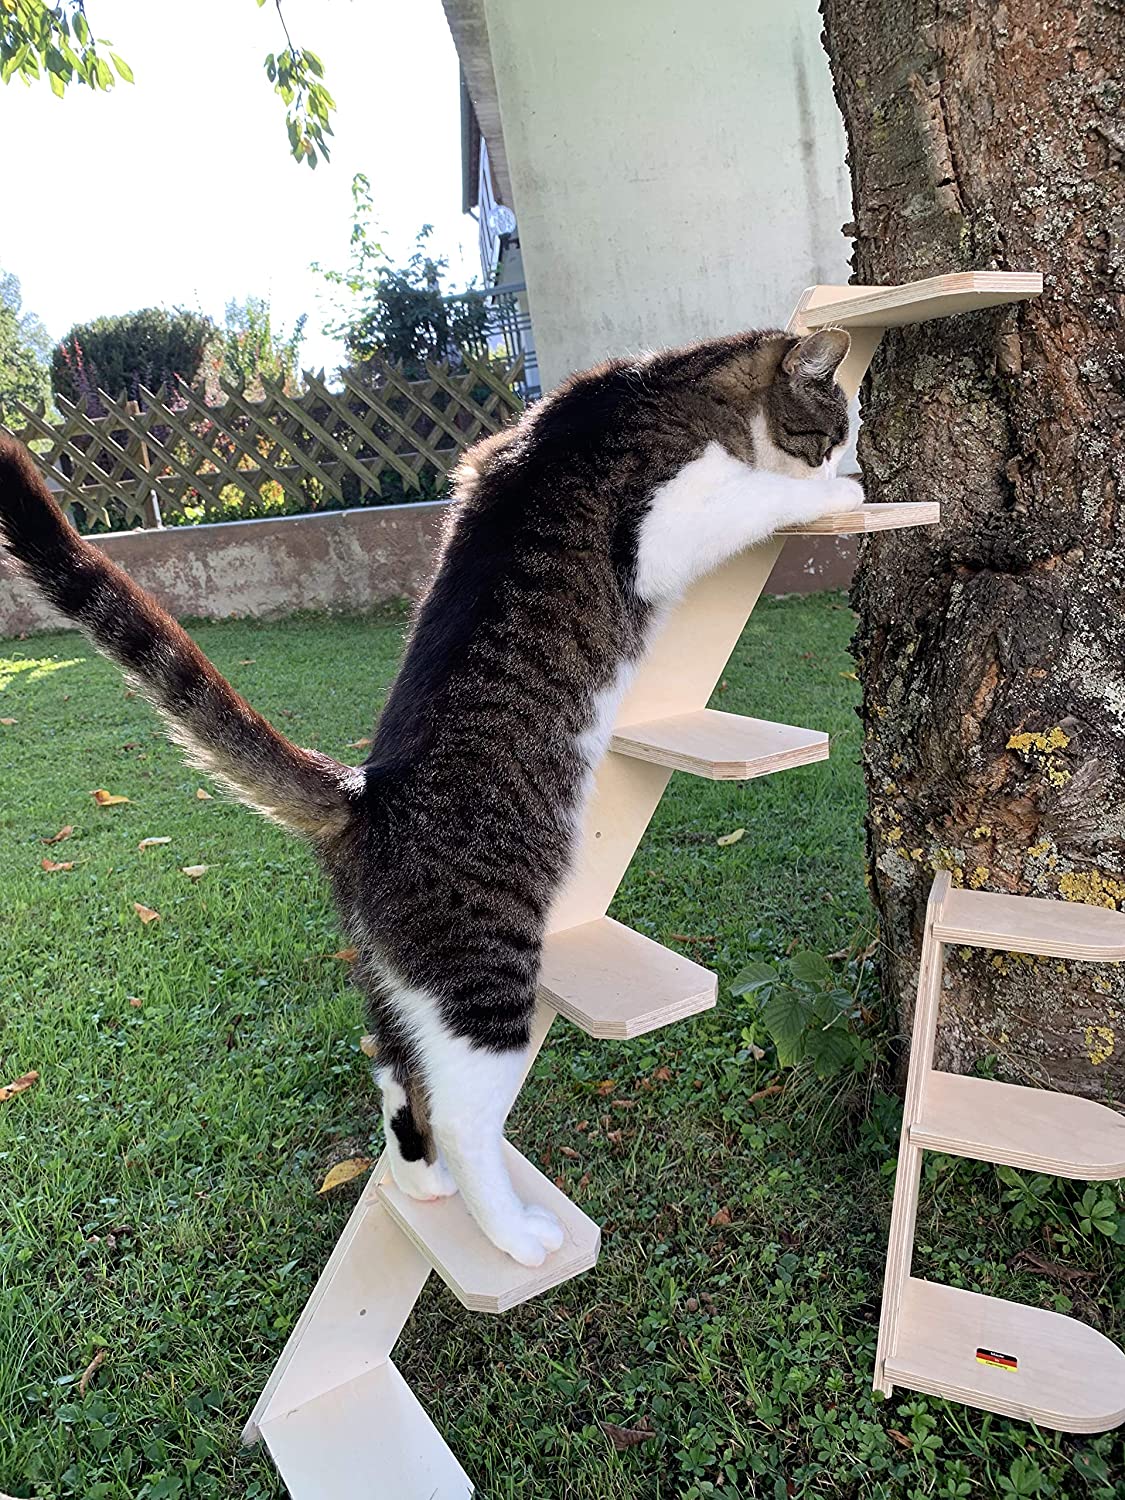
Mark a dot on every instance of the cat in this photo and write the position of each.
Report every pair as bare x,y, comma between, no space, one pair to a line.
572,534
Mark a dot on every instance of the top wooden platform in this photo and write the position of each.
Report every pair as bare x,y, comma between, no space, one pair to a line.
868,518
914,301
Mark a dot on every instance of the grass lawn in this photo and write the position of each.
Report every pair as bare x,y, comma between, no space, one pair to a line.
199,1074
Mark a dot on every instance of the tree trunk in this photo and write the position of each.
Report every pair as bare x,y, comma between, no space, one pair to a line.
990,135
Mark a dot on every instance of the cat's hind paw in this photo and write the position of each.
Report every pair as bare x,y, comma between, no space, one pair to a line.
425,1181
530,1236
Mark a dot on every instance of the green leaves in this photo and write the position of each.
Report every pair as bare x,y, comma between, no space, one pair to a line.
296,76
808,1015
39,39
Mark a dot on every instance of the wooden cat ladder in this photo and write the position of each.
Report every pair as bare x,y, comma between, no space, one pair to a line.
339,1420
1002,1356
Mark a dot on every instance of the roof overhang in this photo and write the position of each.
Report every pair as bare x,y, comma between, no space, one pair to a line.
469,26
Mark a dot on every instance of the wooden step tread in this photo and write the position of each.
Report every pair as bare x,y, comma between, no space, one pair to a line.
1066,1375
868,518
722,747
367,1439
1032,1129
479,1275
1028,924
614,982
919,301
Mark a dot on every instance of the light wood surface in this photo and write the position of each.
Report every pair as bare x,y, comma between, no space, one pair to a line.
1068,1377
869,518
719,746
1036,1130
344,1329
914,301
1028,924
904,1208
365,1439
614,982
478,1274
984,1351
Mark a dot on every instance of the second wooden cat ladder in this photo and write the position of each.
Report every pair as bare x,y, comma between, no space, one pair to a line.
999,1355
339,1420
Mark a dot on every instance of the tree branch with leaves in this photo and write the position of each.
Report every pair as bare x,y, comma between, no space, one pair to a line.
55,42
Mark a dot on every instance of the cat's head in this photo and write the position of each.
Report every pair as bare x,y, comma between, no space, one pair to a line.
802,422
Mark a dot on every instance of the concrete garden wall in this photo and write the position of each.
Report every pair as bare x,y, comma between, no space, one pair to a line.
337,560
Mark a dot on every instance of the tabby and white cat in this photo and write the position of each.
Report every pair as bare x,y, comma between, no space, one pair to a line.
573,533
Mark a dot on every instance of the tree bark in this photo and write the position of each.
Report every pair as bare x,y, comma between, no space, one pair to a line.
990,134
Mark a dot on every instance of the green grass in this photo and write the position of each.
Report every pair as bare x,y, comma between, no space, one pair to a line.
158,1186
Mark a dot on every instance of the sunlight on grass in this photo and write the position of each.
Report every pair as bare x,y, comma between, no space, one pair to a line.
30,669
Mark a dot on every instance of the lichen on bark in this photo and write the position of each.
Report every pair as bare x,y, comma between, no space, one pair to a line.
992,648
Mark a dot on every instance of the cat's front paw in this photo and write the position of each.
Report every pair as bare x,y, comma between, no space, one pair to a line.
844,494
530,1236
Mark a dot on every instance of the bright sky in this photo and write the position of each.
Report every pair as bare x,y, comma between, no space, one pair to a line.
179,190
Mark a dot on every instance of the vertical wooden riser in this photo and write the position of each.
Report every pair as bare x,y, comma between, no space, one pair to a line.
368,1439
678,675
355,1315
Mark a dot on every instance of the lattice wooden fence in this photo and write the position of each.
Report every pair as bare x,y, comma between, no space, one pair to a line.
172,456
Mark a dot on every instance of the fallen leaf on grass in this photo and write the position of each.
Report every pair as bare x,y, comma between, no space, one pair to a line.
900,1437
663,1075
134,1001
731,838
202,796
346,955
625,1437
343,1172
151,843
772,1088
606,1086
358,744
51,865
57,838
369,1046
720,1218
569,1152
247,661
20,1085
9,721
195,871
851,676
106,799
146,913
90,1371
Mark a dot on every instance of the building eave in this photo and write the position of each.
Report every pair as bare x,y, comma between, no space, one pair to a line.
468,25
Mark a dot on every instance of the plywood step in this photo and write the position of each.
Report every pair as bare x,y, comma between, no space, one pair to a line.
368,1439
722,747
868,518
1028,924
479,1275
1033,1129
919,301
1046,1368
614,982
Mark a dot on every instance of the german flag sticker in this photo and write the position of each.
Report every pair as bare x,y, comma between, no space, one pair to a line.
997,1361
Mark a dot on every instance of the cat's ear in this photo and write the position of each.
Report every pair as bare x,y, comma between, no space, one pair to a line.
817,356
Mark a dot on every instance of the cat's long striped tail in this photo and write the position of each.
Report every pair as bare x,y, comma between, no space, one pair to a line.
307,792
